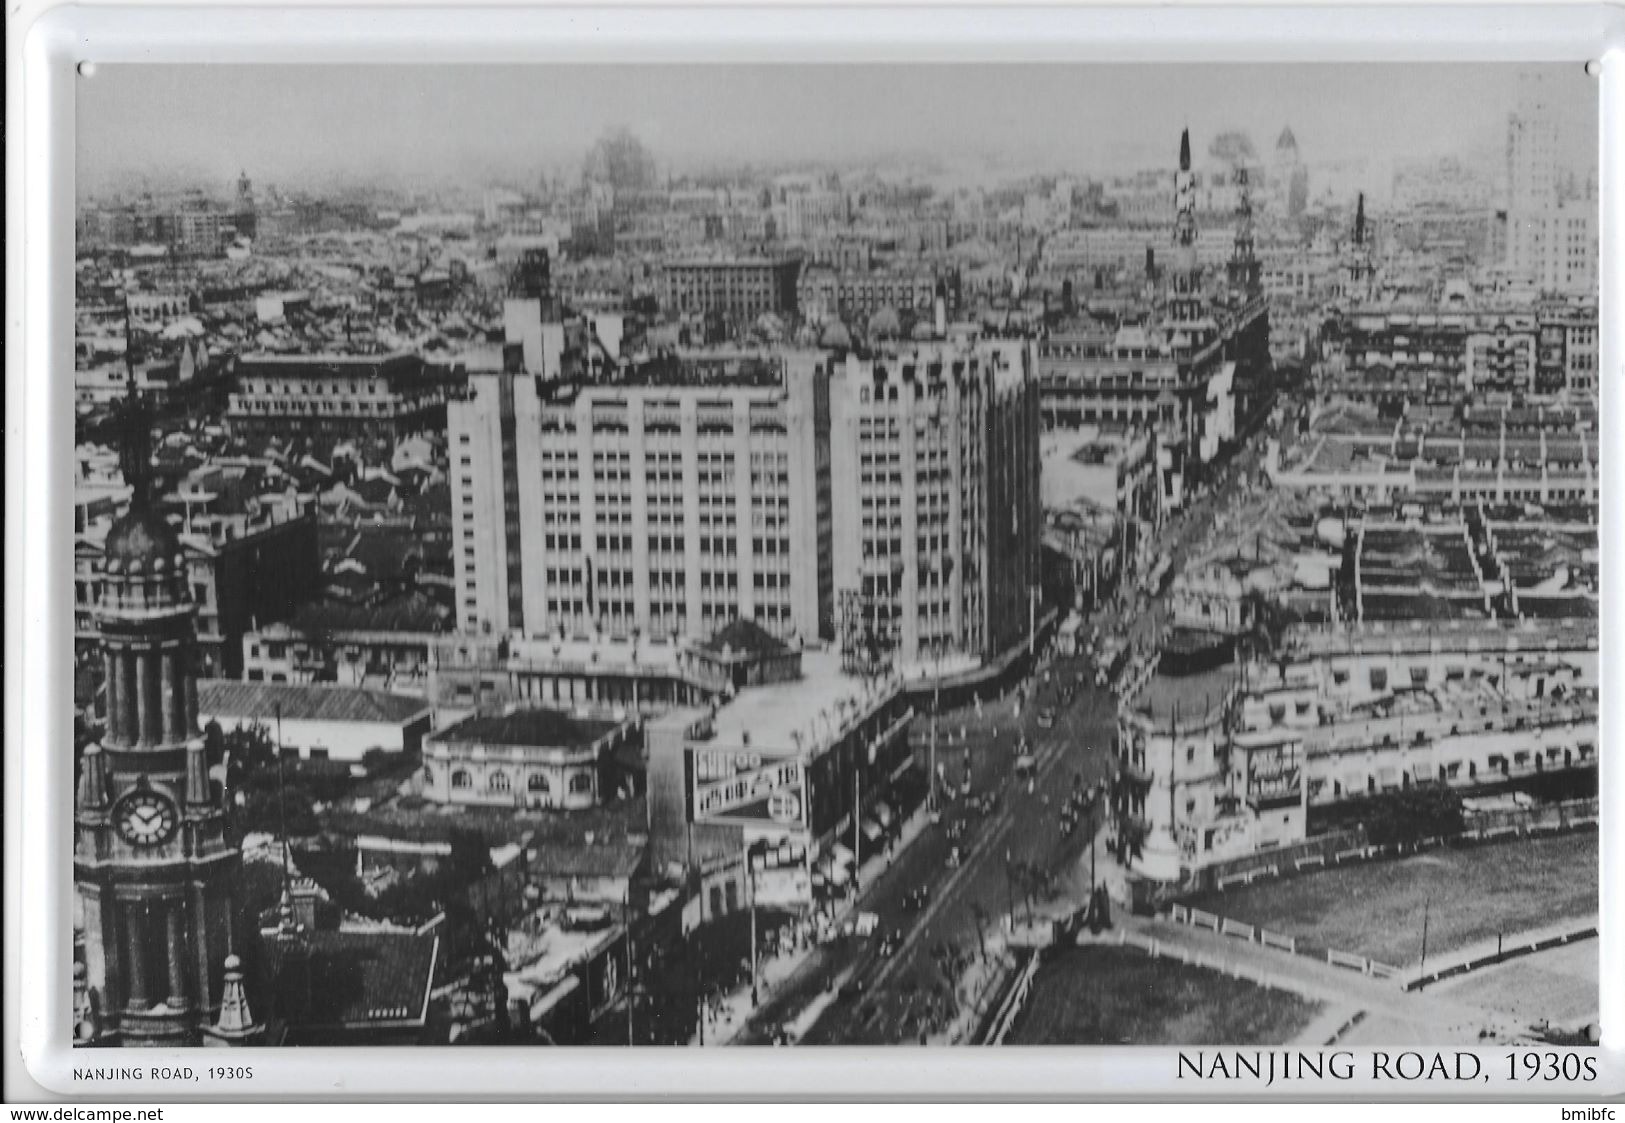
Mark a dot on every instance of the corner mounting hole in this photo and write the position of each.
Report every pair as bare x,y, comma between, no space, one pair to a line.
87,69
1593,68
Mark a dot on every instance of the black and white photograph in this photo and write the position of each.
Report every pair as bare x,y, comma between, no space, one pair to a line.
869,554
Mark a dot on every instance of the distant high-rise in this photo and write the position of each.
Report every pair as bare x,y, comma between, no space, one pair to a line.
1289,179
1550,242
245,211
1533,134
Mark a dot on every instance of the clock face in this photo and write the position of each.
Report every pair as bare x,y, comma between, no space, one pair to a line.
146,819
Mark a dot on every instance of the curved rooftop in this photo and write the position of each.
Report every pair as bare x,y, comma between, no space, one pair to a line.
141,536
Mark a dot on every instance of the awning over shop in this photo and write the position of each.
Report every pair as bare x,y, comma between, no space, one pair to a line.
872,830
842,856
884,814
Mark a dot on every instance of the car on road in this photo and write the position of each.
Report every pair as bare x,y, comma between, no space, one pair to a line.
915,900
1025,762
954,859
863,924
891,943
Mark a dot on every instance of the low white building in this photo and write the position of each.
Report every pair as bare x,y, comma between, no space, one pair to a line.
319,722
533,758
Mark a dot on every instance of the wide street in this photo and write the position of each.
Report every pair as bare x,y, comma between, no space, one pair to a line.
905,987
902,997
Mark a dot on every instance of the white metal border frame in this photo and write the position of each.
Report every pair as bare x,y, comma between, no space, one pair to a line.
50,41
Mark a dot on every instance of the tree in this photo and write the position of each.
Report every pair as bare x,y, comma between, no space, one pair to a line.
249,750
1412,814
620,160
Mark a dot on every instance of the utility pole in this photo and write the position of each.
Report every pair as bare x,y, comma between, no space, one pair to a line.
1032,619
936,704
282,804
750,893
1427,904
630,1039
857,814
694,951
1009,890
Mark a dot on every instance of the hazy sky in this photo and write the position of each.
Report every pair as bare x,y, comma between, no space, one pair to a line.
284,124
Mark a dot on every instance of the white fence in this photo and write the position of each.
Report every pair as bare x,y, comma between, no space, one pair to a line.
1361,963
1227,926
1014,1002
1159,950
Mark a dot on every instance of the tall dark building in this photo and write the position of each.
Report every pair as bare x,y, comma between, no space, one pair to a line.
532,276
1243,270
152,865
245,212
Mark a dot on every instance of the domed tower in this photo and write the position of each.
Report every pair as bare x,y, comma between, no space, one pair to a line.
1289,179
151,863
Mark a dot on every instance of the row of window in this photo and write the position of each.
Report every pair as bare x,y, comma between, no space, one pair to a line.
580,783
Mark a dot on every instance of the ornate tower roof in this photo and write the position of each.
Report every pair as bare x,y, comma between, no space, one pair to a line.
141,556
1287,142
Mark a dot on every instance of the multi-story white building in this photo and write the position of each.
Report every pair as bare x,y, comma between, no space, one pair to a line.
1223,762
1555,246
665,505
536,758
938,518
1549,240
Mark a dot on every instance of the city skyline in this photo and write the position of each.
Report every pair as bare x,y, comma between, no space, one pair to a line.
943,602
968,118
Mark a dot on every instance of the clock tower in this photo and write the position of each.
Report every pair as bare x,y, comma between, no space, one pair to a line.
151,862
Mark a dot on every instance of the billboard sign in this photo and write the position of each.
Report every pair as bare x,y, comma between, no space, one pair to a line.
746,787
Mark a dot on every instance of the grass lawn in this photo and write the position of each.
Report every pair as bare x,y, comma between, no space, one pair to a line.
1375,908
1120,996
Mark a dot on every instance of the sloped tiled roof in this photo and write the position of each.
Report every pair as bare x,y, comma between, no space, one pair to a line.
412,612
359,978
744,638
619,858
540,727
262,700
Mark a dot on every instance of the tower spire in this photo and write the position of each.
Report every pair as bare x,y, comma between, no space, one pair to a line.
235,1025
1184,304
135,441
